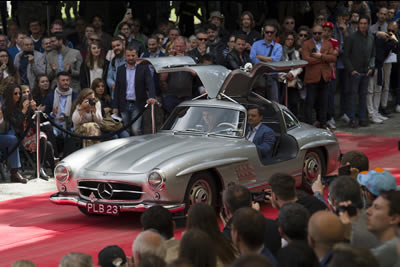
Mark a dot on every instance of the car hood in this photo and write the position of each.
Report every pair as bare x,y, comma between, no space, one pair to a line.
144,153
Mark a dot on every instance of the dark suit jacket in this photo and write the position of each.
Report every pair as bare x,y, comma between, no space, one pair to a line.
48,102
264,140
317,68
143,83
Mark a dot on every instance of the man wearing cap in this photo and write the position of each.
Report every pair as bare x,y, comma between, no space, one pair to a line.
327,35
383,219
375,181
217,18
320,54
112,256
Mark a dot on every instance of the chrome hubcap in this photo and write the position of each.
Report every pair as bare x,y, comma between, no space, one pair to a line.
312,167
200,193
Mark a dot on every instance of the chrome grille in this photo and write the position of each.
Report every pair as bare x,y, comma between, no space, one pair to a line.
120,191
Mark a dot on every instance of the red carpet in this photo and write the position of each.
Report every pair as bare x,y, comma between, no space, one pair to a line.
34,229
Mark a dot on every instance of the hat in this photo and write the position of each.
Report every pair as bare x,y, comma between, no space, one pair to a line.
327,24
216,14
377,180
111,256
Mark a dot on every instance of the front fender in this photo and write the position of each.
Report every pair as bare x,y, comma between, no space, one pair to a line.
205,165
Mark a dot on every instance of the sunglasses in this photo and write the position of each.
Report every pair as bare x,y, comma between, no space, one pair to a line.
17,93
93,40
269,32
303,35
317,33
289,22
202,39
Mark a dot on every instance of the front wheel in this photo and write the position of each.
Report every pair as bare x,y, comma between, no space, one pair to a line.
313,165
201,189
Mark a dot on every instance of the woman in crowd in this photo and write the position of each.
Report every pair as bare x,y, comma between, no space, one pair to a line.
19,111
94,66
197,248
8,73
170,49
303,35
203,217
87,116
239,56
289,53
100,92
41,89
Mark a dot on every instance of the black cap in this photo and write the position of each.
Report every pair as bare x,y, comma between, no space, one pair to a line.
111,256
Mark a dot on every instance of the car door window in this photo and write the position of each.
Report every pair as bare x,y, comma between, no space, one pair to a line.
290,120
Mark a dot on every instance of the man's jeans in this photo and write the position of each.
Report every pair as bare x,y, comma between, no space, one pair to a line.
331,98
342,83
317,93
7,142
358,87
271,92
128,115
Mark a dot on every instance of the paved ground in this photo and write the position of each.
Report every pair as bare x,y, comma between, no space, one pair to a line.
390,127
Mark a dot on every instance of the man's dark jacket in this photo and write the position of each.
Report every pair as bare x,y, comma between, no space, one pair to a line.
143,83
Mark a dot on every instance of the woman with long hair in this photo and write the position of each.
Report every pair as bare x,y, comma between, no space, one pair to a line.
290,53
94,66
8,73
100,92
198,248
203,217
41,89
19,111
87,116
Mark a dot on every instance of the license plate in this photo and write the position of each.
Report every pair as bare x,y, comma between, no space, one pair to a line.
105,209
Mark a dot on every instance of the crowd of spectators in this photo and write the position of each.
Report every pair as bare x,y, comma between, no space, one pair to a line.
352,47
356,224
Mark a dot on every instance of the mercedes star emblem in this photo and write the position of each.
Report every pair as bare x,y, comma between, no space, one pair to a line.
105,190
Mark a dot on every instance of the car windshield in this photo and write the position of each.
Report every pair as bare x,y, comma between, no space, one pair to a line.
209,120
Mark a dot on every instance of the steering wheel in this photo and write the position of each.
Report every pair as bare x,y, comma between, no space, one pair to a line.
227,124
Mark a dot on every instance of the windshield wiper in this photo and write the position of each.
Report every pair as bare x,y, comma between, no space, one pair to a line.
191,130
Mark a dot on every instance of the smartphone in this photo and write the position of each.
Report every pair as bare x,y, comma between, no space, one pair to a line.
260,196
313,50
344,170
129,10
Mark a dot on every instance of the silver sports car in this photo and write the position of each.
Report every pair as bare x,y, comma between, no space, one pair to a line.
200,150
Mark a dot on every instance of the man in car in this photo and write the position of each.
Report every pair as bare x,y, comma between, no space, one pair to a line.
262,136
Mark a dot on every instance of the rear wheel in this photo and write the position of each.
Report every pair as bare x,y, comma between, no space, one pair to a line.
313,165
201,189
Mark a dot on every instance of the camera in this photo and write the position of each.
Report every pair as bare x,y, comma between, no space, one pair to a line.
25,53
351,210
259,196
91,102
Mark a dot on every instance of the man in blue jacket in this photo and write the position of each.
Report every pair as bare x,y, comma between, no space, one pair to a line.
262,136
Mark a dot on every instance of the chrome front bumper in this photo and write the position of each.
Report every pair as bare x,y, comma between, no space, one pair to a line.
60,199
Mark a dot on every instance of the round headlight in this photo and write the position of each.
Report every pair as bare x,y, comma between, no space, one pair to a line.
155,180
61,173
